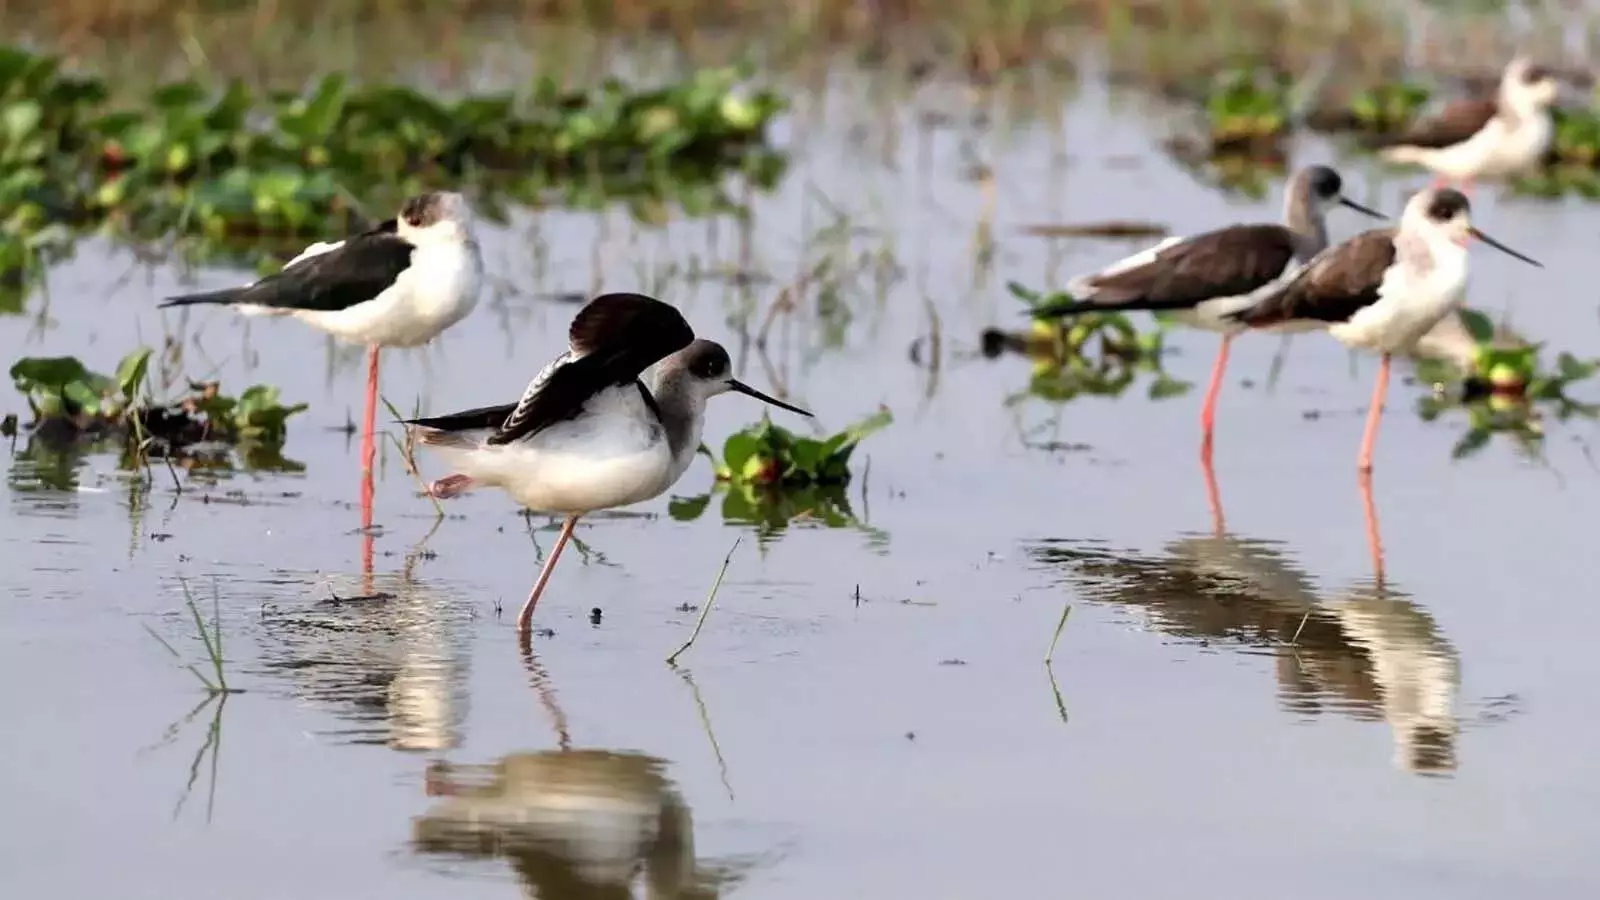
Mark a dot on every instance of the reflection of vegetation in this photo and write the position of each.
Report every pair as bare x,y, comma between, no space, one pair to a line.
234,166
769,456
772,510
1507,391
69,402
1097,353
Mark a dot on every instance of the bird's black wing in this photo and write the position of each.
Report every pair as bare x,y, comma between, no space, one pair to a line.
363,267
1333,287
1457,121
1227,262
613,340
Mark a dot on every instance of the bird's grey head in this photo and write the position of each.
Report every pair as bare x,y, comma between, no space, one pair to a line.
1321,188
1528,86
710,372
436,216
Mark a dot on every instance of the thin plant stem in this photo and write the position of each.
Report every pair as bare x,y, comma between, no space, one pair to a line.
705,609
1061,624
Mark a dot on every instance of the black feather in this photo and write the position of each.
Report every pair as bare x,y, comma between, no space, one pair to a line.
613,340
364,267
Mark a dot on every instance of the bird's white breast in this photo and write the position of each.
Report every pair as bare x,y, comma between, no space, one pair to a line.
1422,287
615,453
436,291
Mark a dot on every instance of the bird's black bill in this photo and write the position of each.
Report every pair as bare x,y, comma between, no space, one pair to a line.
1346,201
1503,248
735,384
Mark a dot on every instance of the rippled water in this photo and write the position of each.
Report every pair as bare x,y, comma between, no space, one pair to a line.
1237,702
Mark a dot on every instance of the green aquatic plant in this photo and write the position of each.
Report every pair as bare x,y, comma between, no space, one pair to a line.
770,456
1246,107
1389,106
1092,353
231,167
1508,389
68,400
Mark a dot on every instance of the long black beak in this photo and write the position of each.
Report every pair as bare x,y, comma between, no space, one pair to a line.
1346,201
1502,247
735,384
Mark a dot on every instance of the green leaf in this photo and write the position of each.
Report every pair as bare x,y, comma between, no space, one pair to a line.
1478,325
52,372
687,509
82,397
131,372
21,119
1022,292
1572,370
1470,443
739,449
1166,386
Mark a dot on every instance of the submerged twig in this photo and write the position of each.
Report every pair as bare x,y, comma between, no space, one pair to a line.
1061,624
408,458
705,608
705,723
1049,659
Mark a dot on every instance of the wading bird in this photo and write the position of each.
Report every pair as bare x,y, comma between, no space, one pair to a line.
1204,277
588,434
1383,289
399,284
1485,137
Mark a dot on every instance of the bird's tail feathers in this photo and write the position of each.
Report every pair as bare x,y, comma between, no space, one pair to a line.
224,297
1405,154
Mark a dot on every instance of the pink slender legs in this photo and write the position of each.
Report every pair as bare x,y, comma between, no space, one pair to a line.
525,617
1374,542
369,447
1208,409
1380,388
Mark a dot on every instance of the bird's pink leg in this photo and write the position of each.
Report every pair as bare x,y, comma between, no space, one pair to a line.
525,617
1374,542
449,486
1379,389
1208,409
369,421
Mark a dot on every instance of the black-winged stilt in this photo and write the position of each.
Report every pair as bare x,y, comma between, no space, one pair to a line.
1485,137
1383,289
399,284
588,434
1203,277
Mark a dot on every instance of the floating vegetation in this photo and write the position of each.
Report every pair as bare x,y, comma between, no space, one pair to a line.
1507,391
768,456
234,166
1094,353
69,402
1247,109
1388,107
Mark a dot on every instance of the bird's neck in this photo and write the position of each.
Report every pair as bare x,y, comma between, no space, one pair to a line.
683,414
1311,232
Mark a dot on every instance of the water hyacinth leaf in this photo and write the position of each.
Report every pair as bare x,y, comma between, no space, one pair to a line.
1571,369
178,95
81,397
739,449
1166,386
1470,443
49,372
687,509
21,118
131,372
1478,325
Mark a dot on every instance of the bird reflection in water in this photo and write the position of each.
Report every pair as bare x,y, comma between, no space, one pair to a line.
573,824
1368,651
390,662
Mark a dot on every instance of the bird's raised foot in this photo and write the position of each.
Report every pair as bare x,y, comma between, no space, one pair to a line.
449,486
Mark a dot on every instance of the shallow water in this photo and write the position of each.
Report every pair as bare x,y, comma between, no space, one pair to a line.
867,712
